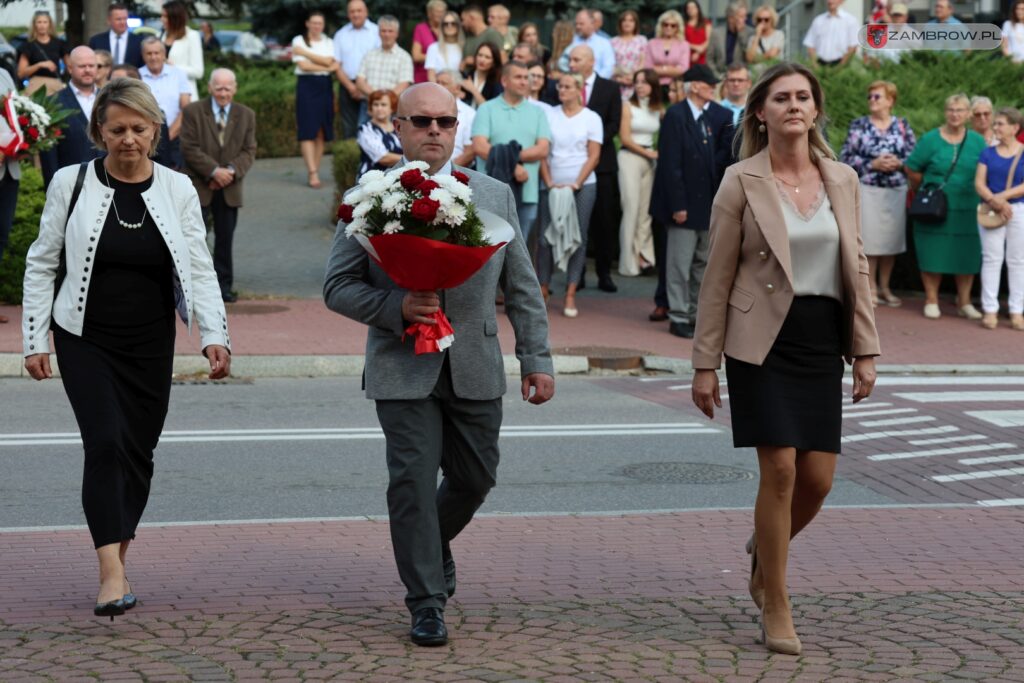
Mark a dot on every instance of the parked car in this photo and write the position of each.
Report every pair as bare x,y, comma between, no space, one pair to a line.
276,50
241,43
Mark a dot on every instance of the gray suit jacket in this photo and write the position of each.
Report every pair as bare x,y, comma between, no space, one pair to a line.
357,288
717,58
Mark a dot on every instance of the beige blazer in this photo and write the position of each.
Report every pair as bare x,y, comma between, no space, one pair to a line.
748,284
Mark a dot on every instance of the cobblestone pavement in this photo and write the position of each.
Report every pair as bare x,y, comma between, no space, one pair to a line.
925,594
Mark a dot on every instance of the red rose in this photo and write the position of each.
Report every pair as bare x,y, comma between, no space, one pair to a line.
33,132
345,213
22,120
426,186
424,209
461,177
57,132
411,179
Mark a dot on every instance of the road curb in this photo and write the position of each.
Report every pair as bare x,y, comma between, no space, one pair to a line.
12,365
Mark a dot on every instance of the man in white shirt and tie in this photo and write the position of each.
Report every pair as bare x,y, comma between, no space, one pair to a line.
125,47
351,43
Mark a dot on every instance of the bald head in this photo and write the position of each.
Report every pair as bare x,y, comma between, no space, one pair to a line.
426,94
581,61
432,144
82,67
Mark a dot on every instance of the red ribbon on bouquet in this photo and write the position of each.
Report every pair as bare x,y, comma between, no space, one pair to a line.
420,264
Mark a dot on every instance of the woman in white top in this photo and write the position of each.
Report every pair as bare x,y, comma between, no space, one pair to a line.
184,45
313,55
1013,33
576,137
641,120
447,52
767,42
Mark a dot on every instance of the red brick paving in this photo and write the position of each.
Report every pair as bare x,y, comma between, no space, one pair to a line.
305,326
879,594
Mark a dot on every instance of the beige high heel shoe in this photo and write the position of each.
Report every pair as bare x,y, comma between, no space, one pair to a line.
784,646
756,592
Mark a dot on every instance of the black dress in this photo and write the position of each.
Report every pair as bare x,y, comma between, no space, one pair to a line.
117,375
795,397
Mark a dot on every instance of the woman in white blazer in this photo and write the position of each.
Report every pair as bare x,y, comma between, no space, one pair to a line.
184,45
129,252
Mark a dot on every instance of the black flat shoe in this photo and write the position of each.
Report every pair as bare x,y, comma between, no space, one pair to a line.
449,569
605,284
114,608
428,627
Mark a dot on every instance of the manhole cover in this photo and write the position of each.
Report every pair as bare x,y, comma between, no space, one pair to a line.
685,473
255,309
607,357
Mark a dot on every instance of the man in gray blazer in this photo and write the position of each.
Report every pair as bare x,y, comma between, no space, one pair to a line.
440,410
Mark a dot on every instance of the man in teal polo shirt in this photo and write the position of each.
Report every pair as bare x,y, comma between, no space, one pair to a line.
511,117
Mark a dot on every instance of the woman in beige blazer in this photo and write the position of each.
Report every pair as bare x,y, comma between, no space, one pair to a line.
785,297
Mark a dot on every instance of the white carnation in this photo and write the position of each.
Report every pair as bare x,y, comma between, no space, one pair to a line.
376,188
356,227
394,202
461,192
354,196
362,209
446,199
392,227
418,165
371,177
455,214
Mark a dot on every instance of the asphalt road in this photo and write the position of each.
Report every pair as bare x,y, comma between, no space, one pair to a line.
592,449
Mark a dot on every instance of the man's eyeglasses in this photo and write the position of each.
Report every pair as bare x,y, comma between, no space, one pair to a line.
983,113
444,122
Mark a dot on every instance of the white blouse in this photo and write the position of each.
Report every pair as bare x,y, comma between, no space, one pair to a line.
569,138
813,246
643,124
439,60
324,47
1014,34
187,54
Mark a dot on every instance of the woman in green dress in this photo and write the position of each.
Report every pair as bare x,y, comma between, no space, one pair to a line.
953,246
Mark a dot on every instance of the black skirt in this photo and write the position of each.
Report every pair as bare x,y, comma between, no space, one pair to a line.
314,107
795,398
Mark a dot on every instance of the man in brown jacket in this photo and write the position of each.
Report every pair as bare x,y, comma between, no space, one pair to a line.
218,144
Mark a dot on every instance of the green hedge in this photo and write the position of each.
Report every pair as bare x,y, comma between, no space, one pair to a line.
345,163
23,233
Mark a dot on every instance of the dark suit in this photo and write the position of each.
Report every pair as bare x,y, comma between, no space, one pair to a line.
132,53
203,153
75,145
692,158
605,98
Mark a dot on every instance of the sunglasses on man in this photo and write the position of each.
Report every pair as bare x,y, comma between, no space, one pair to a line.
443,122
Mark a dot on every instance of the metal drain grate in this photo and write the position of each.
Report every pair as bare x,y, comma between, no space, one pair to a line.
685,473
255,309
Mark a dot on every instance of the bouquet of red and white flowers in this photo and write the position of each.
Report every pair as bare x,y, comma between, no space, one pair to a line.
30,124
425,233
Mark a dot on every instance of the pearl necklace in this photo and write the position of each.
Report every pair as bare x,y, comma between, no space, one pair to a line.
129,226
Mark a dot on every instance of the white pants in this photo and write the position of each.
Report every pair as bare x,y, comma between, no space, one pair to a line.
636,178
1009,241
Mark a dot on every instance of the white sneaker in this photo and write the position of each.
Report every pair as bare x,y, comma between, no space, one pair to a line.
932,312
969,312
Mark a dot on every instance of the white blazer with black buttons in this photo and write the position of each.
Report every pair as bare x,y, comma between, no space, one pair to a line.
173,204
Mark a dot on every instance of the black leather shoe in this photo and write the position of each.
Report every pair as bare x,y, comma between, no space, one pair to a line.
114,608
658,314
605,284
229,297
449,569
684,330
428,627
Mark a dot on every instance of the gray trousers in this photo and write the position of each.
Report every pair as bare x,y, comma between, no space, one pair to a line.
686,256
458,436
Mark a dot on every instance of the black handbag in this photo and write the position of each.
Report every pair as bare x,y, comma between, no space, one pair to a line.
929,203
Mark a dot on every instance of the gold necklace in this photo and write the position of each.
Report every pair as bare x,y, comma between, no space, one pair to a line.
796,188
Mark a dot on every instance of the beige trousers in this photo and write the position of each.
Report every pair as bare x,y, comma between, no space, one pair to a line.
636,178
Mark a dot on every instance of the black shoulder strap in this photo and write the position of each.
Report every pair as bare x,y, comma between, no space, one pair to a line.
79,181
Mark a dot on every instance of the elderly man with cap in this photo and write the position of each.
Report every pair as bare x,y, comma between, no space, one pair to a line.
694,147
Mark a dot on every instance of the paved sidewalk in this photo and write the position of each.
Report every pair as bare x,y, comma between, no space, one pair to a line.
879,594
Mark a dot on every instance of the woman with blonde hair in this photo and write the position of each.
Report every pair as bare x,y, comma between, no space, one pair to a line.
446,53
425,34
131,236
947,156
668,54
562,35
40,56
785,298
767,42
184,44
981,118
